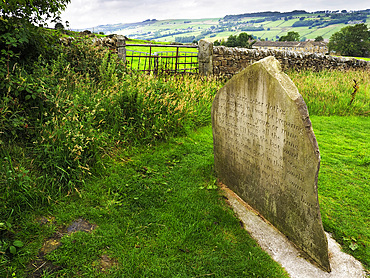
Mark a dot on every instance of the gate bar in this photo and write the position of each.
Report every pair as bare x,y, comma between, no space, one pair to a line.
162,45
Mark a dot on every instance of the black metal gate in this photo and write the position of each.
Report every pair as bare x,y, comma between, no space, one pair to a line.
162,62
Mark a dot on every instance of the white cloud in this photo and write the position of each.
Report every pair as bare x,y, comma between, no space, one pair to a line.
89,13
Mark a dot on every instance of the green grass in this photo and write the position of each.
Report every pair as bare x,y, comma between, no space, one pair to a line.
330,92
278,27
158,214
344,181
69,113
141,63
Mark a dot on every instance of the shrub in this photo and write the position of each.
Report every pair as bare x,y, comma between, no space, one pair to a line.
67,113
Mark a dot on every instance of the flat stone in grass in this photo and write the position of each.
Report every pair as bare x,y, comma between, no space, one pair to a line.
265,151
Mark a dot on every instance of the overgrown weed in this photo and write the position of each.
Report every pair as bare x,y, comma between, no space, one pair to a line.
328,93
69,111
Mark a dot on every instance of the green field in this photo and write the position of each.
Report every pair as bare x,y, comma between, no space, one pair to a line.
219,28
165,58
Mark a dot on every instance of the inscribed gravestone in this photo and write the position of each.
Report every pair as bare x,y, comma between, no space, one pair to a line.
265,150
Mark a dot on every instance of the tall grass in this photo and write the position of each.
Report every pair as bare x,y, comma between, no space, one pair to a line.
58,121
329,93
82,105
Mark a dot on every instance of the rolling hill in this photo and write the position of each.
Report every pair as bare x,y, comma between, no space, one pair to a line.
262,25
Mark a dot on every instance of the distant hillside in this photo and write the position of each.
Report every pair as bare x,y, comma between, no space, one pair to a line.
266,14
111,28
262,25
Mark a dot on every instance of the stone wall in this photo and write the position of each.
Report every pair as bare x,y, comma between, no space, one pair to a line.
227,61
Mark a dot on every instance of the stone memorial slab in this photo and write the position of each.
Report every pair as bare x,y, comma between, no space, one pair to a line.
265,151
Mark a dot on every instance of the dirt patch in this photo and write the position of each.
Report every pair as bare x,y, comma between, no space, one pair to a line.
49,246
40,266
50,220
81,225
107,263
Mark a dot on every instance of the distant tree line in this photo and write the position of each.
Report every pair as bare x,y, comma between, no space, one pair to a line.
265,14
187,39
252,28
334,19
242,40
290,37
202,35
259,20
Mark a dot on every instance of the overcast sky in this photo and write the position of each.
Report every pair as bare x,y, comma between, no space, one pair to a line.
89,13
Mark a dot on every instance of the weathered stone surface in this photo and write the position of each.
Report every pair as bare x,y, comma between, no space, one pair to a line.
266,151
205,57
121,47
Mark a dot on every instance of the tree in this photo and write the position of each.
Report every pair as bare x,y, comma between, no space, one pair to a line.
216,43
32,11
242,40
22,42
351,41
18,31
290,37
319,39
231,41
59,26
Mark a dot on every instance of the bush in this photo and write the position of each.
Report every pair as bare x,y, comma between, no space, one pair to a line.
66,113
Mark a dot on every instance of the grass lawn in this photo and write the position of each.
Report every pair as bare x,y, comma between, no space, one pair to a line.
159,214
344,187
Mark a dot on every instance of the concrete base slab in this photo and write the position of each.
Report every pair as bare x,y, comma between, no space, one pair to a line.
285,253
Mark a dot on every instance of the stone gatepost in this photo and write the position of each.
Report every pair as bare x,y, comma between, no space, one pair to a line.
205,57
121,47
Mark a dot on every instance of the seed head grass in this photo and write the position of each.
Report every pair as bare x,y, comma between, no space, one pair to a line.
329,93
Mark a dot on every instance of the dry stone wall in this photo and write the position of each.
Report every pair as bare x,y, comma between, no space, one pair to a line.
228,61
